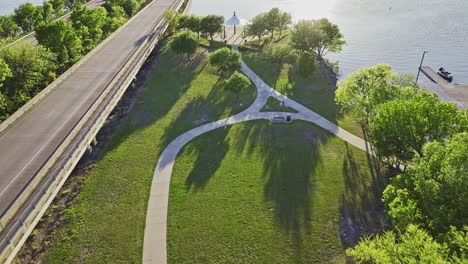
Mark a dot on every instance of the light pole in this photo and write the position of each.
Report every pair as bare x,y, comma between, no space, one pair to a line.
420,65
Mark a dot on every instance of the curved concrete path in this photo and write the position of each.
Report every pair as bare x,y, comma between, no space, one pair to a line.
154,248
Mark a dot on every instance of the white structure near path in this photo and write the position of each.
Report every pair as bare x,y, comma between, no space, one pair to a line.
155,247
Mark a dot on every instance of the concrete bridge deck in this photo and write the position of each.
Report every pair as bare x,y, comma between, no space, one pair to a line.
457,92
31,140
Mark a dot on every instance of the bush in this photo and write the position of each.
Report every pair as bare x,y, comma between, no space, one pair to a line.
184,43
237,82
307,65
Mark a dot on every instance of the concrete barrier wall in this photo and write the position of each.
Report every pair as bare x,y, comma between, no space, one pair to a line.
82,136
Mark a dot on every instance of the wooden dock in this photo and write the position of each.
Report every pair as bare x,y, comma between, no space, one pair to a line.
458,92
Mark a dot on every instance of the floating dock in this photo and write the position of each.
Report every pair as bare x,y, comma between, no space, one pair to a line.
457,92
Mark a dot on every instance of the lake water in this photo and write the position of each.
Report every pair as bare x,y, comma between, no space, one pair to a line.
8,6
395,32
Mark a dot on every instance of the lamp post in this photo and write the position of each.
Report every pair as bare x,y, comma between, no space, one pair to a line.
420,65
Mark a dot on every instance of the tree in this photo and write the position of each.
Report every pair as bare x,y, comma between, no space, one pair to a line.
5,73
88,25
190,22
306,64
61,39
413,246
116,18
364,91
70,4
237,82
318,36
58,6
331,38
173,18
433,192
47,11
8,27
402,127
211,25
273,20
226,60
131,7
27,16
284,22
184,43
257,28
32,67
280,54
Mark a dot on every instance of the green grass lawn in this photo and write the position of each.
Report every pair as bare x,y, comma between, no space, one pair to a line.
107,222
262,193
313,92
274,105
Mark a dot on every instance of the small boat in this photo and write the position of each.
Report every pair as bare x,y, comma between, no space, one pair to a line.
445,74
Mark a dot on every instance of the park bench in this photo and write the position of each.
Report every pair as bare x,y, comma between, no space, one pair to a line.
281,119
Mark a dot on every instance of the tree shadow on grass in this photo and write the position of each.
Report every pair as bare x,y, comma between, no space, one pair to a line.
291,155
362,211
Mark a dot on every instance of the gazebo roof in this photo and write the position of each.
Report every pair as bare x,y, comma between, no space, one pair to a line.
235,21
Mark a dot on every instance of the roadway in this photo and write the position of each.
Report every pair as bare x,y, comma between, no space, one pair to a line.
31,140
31,37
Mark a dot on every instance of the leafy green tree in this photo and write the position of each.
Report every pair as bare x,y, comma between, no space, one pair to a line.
116,18
226,60
307,64
237,82
413,246
8,27
331,38
433,192
318,36
402,127
272,20
47,11
131,7
280,54
5,73
173,21
211,25
257,28
61,39
190,22
58,6
70,4
184,43
364,91
284,22
27,16
32,67
88,25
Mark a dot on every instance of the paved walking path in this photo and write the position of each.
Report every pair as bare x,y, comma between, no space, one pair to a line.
154,248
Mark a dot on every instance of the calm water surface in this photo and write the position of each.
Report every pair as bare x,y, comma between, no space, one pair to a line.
395,32
8,6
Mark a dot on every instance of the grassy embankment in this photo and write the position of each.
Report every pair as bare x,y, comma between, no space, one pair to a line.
107,221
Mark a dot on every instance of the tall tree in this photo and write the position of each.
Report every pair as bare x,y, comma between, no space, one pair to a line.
184,43
402,127
88,24
8,27
284,22
58,6
257,28
47,11
131,7
273,20
190,22
433,192
116,18
211,25
318,36
27,16
32,67
413,246
61,39
364,91
226,60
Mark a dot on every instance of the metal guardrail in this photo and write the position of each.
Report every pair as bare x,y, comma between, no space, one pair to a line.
81,136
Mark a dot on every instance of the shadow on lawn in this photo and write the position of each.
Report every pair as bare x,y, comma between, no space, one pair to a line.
290,155
362,211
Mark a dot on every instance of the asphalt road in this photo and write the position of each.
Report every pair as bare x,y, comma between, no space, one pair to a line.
26,146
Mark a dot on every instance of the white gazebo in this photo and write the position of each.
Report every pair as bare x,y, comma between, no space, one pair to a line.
234,21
